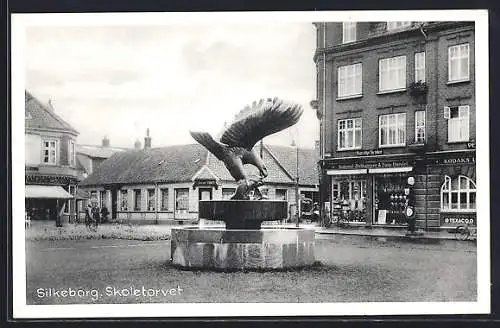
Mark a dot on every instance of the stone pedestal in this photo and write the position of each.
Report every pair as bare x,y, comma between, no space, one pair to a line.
229,249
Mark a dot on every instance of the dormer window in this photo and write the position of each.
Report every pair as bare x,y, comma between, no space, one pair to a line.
397,25
49,151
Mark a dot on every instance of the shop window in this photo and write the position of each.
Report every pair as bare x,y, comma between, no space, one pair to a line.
420,67
164,199
281,194
151,200
227,192
391,194
458,194
349,134
350,194
124,200
392,130
49,151
348,32
458,123
182,199
137,199
397,25
349,80
458,63
420,127
392,73
70,203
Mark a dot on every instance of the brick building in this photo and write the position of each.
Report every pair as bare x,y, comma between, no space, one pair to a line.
396,100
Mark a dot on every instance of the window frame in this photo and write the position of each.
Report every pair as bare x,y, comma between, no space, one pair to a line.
151,199
353,130
233,190
281,189
137,205
124,200
417,126
56,152
343,75
163,192
459,79
101,198
387,70
176,192
71,190
351,28
419,70
457,121
397,115
449,191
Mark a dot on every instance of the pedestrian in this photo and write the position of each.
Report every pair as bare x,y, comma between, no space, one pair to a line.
88,214
104,213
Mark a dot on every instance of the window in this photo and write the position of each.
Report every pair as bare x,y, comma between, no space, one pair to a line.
102,198
349,134
93,196
227,192
458,123
420,67
420,126
392,130
392,73
458,194
458,63
281,194
182,199
397,25
151,200
137,199
348,32
49,151
124,200
69,208
71,153
349,80
164,199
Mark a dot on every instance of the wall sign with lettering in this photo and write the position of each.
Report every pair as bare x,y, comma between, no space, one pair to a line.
456,219
455,160
371,165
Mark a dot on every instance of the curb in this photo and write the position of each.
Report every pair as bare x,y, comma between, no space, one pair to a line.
401,237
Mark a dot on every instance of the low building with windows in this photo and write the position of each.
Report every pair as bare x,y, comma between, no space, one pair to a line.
51,171
164,185
396,100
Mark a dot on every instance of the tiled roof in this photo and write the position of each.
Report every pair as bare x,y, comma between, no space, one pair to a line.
43,117
97,151
308,160
181,163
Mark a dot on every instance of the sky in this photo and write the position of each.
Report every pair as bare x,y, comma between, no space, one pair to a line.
119,80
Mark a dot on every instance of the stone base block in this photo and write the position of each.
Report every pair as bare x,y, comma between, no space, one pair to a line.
221,249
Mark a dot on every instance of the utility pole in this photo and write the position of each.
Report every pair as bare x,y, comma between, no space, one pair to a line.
297,198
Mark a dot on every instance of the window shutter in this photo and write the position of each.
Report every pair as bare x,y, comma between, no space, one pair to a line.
447,114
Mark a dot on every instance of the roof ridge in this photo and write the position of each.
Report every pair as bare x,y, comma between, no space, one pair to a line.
277,161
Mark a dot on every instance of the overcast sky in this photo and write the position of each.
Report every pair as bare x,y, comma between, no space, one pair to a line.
119,80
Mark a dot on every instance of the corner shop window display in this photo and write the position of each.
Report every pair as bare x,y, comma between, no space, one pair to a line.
390,200
351,193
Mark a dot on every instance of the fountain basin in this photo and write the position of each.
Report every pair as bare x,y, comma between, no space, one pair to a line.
235,249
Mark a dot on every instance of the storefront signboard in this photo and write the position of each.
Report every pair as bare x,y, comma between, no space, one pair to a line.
205,183
369,152
371,165
451,219
455,160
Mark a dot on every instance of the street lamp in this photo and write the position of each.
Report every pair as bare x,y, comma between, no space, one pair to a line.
296,183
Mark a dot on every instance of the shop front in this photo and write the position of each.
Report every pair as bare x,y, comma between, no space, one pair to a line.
371,191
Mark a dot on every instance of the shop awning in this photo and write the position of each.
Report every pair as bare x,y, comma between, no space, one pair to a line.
33,191
391,169
346,172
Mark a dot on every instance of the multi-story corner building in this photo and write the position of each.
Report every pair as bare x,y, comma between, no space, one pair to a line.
396,104
51,172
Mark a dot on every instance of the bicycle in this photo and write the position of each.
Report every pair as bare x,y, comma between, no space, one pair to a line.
92,224
465,233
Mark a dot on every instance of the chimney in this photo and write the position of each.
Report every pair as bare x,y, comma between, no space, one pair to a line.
137,144
50,105
105,141
147,140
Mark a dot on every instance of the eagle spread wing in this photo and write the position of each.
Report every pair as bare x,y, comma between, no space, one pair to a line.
209,143
260,120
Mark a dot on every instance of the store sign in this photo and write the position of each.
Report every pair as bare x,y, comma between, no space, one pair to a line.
457,219
205,183
456,160
371,165
369,152
471,145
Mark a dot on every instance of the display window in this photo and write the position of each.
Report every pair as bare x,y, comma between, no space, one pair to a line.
350,195
391,194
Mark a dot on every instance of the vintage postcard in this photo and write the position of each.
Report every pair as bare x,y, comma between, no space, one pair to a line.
250,164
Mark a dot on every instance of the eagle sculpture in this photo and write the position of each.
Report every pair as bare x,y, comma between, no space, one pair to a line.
235,147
